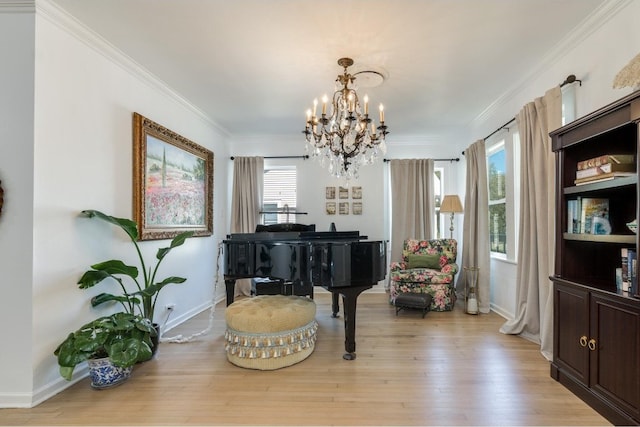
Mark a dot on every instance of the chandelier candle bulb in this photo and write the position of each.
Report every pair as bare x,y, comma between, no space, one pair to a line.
381,113
324,104
315,106
366,104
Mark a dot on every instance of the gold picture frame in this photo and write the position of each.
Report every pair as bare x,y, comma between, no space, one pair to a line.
172,183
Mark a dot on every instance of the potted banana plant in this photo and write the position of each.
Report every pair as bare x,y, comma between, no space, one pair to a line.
111,345
139,285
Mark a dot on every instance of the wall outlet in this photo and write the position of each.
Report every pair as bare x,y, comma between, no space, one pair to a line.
170,307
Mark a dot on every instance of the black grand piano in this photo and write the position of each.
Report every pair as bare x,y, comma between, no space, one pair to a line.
342,262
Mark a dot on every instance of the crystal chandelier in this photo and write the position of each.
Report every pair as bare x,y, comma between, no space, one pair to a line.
348,137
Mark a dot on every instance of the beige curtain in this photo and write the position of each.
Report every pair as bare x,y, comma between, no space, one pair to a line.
412,202
475,229
536,247
246,202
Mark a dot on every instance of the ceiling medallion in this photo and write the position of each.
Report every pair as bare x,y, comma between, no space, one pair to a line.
347,137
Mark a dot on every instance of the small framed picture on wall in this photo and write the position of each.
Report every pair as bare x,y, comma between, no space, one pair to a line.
344,208
344,192
357,208
330,193
356,192
330,208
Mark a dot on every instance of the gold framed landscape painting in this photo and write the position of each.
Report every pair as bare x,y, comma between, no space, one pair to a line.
172,182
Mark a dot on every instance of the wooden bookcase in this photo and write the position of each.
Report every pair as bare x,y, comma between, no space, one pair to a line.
596,350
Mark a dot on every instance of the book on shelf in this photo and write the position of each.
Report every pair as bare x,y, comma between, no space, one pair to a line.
602,177
624,258
573,215
604,169
606,158
632,258
594,216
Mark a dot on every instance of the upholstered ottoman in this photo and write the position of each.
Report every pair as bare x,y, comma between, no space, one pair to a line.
270,331
421,301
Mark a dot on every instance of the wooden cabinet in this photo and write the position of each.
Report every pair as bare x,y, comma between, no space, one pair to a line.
597,326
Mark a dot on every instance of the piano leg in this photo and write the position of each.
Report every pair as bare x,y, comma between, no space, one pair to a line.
349,300
231,290
335,304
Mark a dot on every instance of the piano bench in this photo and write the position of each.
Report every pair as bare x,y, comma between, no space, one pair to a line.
267,286
270,332
421,301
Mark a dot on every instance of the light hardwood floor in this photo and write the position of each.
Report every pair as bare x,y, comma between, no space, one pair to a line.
446,369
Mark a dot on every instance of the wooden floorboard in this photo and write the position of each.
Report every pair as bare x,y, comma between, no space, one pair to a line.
449,368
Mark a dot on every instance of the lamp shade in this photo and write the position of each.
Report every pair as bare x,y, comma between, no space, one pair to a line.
451,203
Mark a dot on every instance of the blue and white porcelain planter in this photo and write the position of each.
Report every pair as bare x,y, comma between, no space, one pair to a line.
105,374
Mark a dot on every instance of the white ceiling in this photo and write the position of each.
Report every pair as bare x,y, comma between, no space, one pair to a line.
254,66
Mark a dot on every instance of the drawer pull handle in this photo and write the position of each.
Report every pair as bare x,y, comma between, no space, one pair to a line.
592,344
583,341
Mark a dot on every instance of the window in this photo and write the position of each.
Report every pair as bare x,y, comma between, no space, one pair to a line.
503,168
279,195
497,168
438,191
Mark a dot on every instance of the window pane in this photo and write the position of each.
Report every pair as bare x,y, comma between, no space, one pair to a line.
498,228
497,171
279,195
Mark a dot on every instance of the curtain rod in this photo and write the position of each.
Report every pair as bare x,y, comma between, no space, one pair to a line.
306,156
571,78
456,159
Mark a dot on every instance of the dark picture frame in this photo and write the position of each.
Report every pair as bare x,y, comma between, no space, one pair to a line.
172,183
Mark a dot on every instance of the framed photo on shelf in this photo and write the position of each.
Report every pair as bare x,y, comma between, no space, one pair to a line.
343,208
343,192
330,208
330,193
357,208
172,183
356,192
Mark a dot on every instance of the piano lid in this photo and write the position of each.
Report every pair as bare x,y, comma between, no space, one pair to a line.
298,235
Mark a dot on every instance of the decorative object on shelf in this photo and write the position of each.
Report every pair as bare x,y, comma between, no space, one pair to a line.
629,75
172,182
470,290
346,137
451,204
633,226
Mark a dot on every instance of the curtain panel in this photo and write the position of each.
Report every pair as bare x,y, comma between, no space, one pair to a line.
475,229
246,202
536,247
412,202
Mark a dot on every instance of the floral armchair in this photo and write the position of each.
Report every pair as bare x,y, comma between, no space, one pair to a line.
427,266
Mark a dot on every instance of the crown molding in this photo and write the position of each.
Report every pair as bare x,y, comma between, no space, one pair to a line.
589,25
17,6
68,23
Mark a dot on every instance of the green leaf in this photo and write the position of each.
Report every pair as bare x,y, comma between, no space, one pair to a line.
129,226
126,352
177,241
66,372
115,266
92,278
104,297
151,290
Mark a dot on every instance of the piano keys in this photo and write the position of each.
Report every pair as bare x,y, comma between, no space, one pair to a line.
342,262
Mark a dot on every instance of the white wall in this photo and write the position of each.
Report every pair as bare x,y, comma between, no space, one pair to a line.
80,134
595,54
17,44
